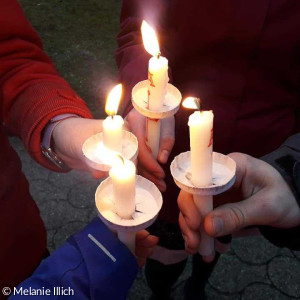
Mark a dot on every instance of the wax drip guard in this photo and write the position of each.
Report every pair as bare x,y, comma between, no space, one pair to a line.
223,177
95,152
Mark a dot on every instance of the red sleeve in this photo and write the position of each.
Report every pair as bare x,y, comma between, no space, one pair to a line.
132,59
31,91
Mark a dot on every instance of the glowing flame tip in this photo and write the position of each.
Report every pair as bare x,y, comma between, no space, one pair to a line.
191,102
113,100
150,39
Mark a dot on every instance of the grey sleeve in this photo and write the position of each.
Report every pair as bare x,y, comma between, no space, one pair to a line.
286,160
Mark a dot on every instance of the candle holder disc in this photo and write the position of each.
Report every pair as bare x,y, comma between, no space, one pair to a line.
97,156
170,106
148,204
224,169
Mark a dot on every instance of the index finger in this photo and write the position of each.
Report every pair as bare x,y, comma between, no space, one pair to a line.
189,210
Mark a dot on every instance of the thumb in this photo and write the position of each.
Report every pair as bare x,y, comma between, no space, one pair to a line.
231,217
167,139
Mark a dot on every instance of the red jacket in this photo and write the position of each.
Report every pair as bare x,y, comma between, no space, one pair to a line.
240,57
31,93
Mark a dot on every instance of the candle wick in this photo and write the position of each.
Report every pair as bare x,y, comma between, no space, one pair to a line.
122,158
112,116
158,55
197,102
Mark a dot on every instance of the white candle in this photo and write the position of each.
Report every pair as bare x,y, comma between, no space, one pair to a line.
113,125
112,133
201,134
153,134
157,82
201,140
123,180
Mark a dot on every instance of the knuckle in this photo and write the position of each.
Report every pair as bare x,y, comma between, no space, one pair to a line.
237,216
273,211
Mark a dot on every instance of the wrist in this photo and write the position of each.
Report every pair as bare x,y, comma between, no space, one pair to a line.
47,144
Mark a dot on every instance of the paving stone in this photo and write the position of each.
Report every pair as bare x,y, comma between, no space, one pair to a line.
18,146
42,190
57,213
178,288
65,231
260,291
232,275
212,294
71,178
254,249
93,213
284,273
30,168
33,171
297,254
286,252
83,194
139,289
50,239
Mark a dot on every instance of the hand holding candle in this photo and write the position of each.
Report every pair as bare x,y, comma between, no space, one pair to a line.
201,140
97,148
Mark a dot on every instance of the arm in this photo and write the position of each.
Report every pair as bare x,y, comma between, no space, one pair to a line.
82,267
32,92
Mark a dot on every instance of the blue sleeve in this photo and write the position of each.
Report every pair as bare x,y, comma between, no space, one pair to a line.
93,264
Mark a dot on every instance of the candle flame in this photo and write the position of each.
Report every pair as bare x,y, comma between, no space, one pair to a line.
112,158
106,154
191,102
113,100
150,39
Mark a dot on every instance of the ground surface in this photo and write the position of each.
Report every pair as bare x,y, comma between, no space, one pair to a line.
80,37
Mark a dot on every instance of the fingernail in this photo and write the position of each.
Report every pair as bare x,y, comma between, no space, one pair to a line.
218,225
162,187
163,156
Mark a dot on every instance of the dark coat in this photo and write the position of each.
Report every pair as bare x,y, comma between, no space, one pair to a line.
240,57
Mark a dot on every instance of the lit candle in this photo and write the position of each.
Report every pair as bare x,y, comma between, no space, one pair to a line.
123,174
157,70
113,124
201,142
157,84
